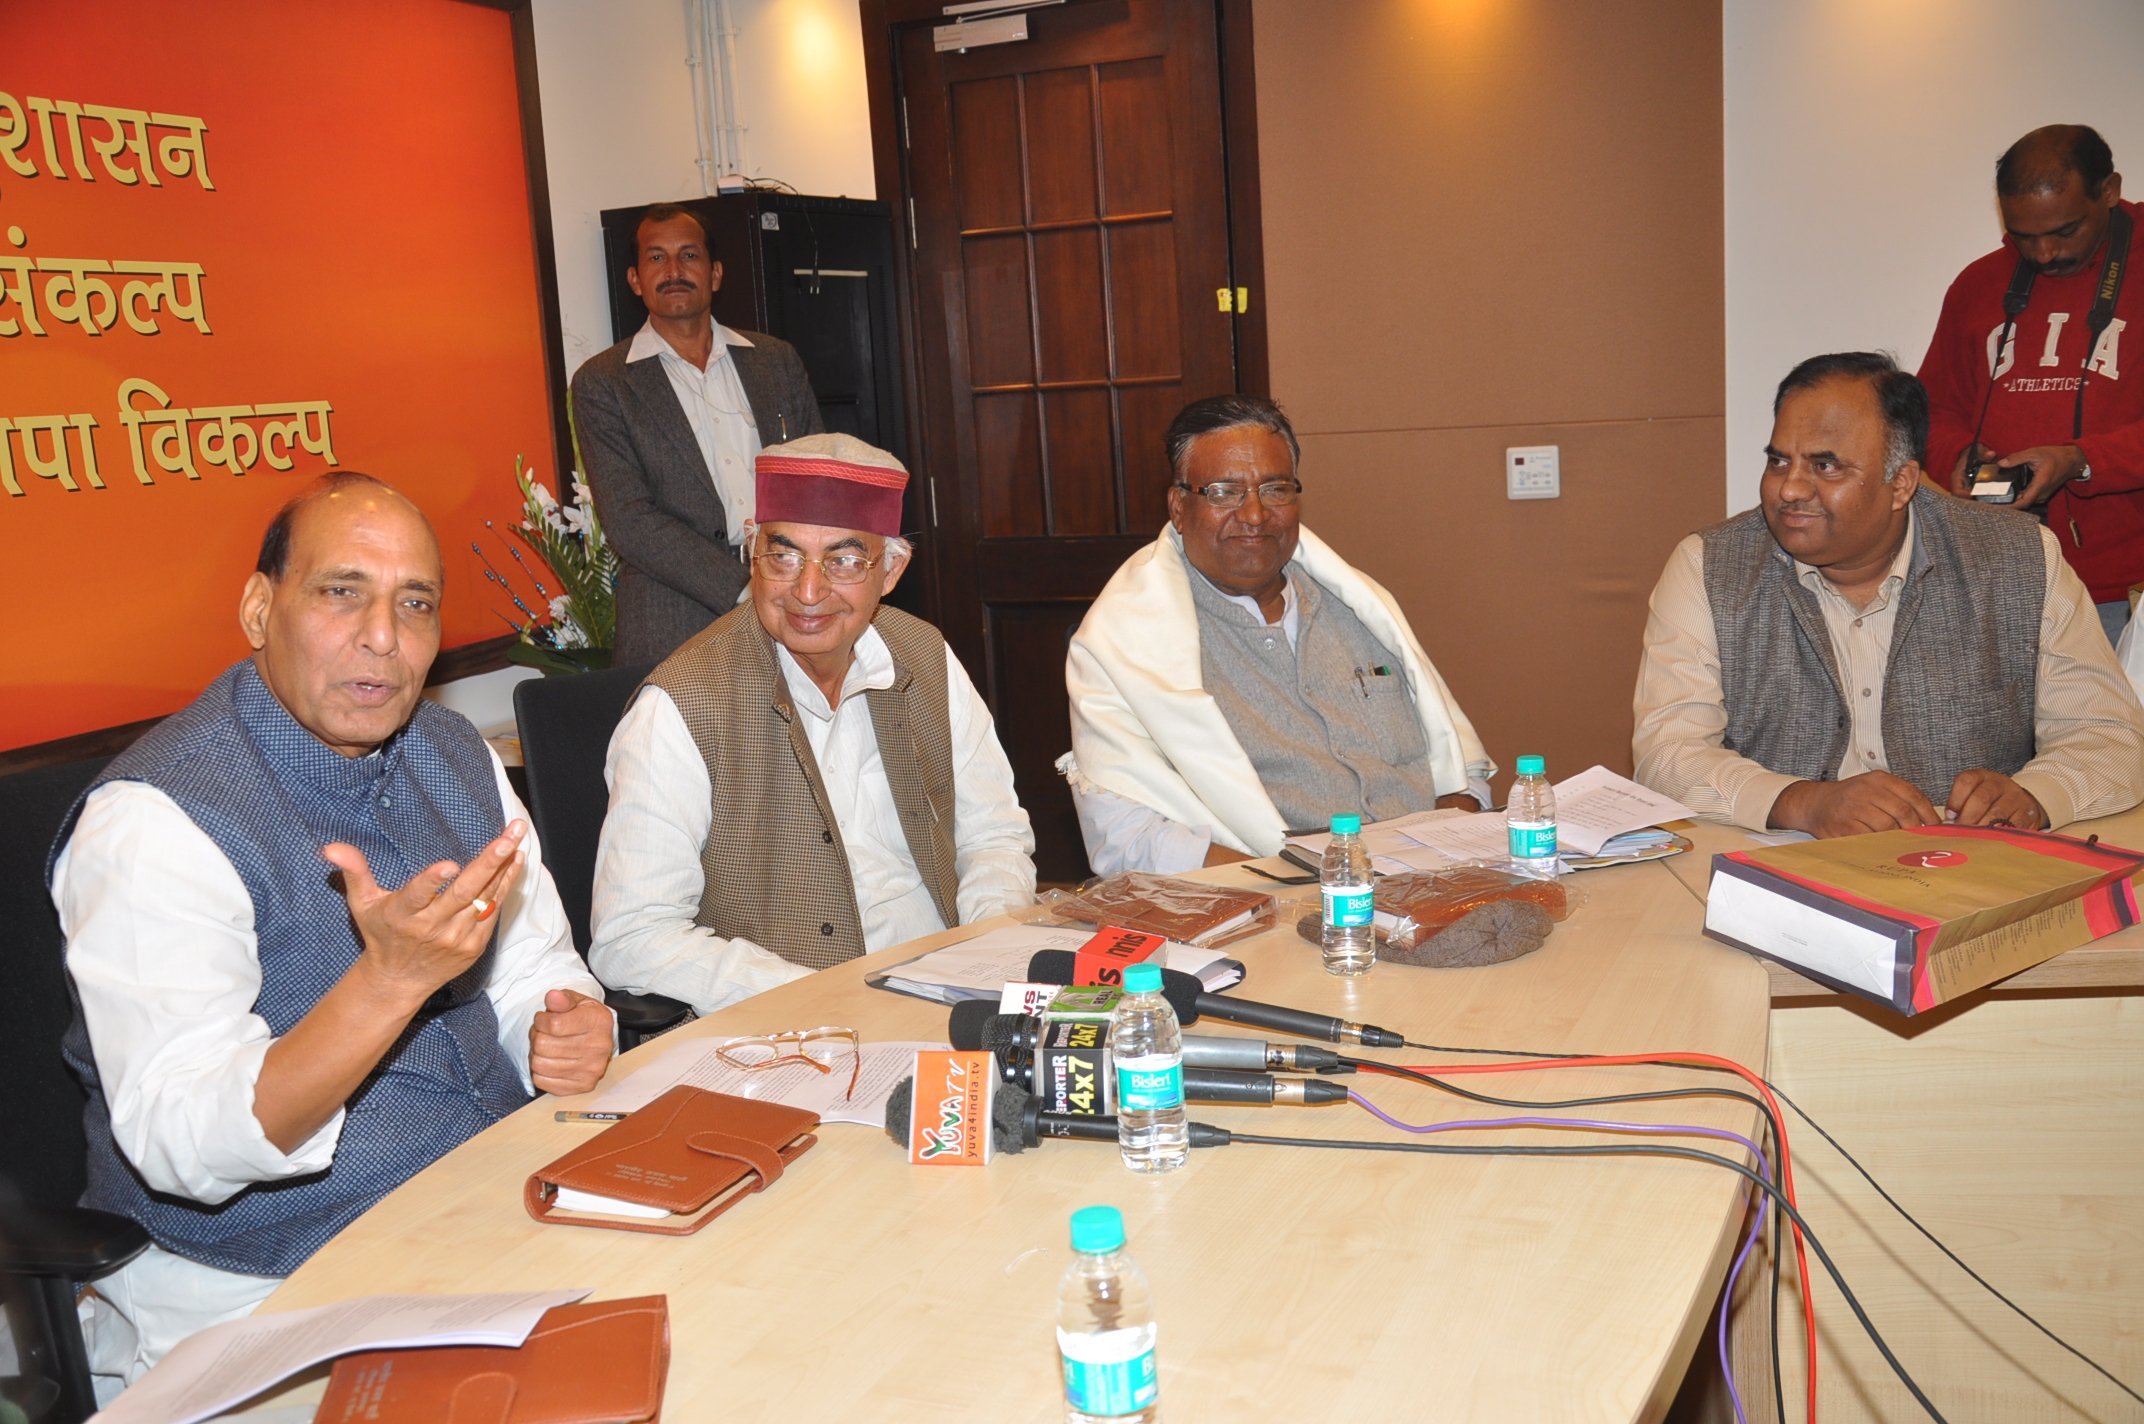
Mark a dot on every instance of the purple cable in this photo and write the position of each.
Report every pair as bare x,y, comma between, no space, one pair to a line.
1749,1240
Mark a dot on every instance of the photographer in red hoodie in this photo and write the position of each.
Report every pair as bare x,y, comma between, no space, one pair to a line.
2024,373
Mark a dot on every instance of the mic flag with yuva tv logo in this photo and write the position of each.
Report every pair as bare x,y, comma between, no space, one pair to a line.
1914,919
950,1124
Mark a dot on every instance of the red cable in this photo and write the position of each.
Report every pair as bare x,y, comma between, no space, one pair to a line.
1786,1164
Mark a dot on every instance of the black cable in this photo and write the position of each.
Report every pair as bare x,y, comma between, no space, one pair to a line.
1771,1122
1779,1384
1851,1161
1779,1200
1934,1241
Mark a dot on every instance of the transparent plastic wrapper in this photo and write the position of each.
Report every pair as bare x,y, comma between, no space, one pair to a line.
1187,911
1465,916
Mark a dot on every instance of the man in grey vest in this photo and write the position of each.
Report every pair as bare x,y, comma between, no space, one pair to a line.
812,776
1861,653
669,421
311,939
1237,680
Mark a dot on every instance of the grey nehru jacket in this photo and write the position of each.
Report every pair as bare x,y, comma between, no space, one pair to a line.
1324,731
1961,685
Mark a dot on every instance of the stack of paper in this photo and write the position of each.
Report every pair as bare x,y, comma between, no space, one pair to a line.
1597,812
979,968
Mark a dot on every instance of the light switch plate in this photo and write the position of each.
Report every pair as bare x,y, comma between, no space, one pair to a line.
1533,472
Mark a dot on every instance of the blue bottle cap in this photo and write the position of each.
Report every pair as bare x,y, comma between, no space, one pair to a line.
1097,1230
1348,825
1142,979
1531,766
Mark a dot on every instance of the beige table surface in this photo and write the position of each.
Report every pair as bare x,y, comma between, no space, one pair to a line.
2009,1121
1291,1284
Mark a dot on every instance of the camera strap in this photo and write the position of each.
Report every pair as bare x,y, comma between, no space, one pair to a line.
2015,300
2119,229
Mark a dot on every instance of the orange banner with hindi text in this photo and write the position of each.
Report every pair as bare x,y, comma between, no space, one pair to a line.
242,243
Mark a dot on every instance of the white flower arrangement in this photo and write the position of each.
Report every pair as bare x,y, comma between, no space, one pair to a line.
578,625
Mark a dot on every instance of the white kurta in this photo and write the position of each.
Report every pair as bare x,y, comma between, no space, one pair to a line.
649,881
160,946
1145,729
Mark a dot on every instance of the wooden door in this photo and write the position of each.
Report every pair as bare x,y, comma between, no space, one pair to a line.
1068,203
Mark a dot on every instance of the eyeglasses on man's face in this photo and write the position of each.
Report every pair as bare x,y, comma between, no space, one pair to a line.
825,1049
1227,494
787,565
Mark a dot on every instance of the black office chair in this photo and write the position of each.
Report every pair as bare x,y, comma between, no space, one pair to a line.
566,724
48,1245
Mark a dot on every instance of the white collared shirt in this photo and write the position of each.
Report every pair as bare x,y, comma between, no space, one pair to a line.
649,880
719,412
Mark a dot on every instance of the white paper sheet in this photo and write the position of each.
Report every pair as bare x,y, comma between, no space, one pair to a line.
223,1365
797,1085
1596,805
978,968
1592,808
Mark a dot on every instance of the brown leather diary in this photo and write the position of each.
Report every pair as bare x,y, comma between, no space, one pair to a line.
595,1362
690,1153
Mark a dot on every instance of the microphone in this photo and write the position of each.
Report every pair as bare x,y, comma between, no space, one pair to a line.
1011,1040
1017,1122
1054,966
1220,1085
969,1030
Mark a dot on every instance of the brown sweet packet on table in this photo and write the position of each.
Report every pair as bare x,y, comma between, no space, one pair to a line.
1187,911
1460,918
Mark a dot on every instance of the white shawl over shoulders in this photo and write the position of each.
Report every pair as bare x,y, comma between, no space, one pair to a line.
1144,727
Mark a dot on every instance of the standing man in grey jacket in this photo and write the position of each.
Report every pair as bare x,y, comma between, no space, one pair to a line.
670,421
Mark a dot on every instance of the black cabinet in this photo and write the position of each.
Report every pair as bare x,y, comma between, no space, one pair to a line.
817,272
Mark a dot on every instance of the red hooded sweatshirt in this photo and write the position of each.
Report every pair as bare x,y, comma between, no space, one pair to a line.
2100,522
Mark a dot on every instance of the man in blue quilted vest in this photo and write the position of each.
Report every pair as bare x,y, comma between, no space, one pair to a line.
311,938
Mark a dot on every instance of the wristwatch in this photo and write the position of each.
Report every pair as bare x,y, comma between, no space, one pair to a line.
2084,473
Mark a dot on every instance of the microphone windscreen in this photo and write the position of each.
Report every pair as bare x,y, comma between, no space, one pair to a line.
900,1107
1008,1132
1000,1034
965,1027
1055,966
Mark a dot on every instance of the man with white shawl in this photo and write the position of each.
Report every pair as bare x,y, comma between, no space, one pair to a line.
1237,680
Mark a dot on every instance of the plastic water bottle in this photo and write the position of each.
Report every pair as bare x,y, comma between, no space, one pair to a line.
1105,1326
1350,942
1147,1049
1530,822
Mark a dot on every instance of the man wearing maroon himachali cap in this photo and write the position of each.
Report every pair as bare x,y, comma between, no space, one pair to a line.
812,776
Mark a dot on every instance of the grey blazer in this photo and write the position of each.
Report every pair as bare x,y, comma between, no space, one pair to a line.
658,503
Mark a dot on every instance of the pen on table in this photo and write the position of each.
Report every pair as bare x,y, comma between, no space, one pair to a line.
1361,685
563,1115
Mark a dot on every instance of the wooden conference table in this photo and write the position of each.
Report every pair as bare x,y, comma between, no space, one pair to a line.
2010,1122
1290,1283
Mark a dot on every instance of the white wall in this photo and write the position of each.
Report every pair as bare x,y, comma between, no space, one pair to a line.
618,120
617,130
1861,139
800,92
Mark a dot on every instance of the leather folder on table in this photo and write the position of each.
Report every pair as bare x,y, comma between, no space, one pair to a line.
595,1362
672,1166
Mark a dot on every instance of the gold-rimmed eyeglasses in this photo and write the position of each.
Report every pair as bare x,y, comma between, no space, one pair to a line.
1227,494
787,566
823,1048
